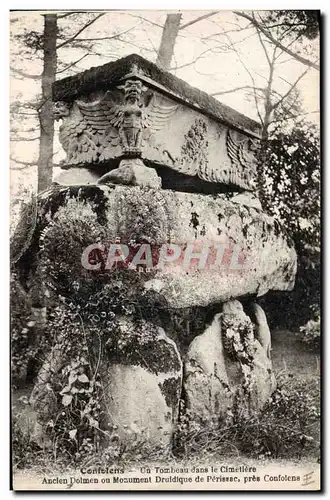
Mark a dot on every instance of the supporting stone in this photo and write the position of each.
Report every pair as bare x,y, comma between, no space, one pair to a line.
142,380
262,331
226,365
140,388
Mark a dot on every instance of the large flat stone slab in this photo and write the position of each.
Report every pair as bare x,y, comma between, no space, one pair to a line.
255,256
192,219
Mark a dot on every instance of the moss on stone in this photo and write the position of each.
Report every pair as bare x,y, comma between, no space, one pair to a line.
171,389
154,355
143,215
194,222
58,196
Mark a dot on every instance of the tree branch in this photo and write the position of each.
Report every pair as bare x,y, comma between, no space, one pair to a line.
250,75
23,113
236,89
144,19
66,42
150,41
270,37
25,75
264,48
193,61
23,139
292,117
25,164
293,86
116,35
135,45
223,32
72,64
61,16
198,19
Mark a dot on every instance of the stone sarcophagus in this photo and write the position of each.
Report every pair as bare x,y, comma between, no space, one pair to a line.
154,216
131,109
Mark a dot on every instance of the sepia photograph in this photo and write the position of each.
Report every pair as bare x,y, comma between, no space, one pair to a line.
165,268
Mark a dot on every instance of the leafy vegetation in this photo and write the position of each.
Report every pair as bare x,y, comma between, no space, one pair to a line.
291,193
310,333
287,427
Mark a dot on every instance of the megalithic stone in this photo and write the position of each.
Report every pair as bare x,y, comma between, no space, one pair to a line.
164,170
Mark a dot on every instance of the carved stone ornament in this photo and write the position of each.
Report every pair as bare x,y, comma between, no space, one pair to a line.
102,129
242,155
193,160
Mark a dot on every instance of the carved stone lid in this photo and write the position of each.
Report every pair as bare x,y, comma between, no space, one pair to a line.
109,75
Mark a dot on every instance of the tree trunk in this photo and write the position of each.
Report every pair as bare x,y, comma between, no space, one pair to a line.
46,121
268,107
166,49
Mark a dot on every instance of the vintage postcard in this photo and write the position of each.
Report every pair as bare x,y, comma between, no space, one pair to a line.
165,250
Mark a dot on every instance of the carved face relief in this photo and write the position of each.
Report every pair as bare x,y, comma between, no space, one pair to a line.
61,109
133,90
105,128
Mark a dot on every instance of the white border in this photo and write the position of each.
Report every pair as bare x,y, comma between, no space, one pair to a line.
4,183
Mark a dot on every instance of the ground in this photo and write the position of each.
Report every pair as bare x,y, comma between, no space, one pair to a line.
289,354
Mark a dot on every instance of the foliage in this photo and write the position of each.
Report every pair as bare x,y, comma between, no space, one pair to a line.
195,439
238,338
21,352
68,233
291,192
292,174
31,39
24,450
24,197
28,341
287,427
303,23
84,323
24,226
286,112
71,405
311,332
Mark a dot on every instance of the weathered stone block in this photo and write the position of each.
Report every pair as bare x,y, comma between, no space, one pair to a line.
138,111
143,377
255,256
226,365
